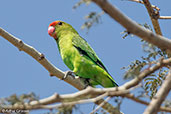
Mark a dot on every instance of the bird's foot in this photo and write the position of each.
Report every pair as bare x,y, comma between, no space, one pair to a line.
86,82
68,73
87,85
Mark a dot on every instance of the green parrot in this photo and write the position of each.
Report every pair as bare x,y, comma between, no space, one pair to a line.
79,56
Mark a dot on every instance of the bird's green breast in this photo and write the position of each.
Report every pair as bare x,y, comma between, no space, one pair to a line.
67,51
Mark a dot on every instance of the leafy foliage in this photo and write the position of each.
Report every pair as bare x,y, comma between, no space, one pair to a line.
13,99
154,82
154,54
127,33
87,2
65,110
91,19
167,103
133,70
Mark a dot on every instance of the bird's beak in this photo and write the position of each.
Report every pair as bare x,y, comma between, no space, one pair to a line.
51,31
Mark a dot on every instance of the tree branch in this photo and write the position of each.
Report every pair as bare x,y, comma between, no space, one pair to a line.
130,25
53,71
133,27
97,108
141,2
94,92
156,101
85,96
154,15
39,57
132,97
146,72
91,93
165,17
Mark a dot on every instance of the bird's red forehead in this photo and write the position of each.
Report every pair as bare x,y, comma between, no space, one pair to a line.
54,23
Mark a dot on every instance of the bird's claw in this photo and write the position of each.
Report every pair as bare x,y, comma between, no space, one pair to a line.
86,82
67,73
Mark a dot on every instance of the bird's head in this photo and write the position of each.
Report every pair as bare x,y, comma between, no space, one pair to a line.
57,27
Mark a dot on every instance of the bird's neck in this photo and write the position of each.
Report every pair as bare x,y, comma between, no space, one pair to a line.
64,40
65,36
61,33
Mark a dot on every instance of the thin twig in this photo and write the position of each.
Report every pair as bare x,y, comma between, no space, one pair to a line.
154,15
65,104
97,108
141,2
132,97
83,101
165,17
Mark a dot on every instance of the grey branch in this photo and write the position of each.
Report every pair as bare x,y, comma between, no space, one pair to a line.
133,27
92,94
84,94
53,71
39,57
97,108
155,103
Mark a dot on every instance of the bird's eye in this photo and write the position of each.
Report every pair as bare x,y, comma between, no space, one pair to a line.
60,23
